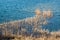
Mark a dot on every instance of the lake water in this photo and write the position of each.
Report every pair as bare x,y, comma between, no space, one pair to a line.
6,16
16,10
54,22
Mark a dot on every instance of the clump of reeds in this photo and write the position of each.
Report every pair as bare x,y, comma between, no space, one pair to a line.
20,29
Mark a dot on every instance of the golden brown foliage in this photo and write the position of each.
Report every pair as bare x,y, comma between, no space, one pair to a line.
17,29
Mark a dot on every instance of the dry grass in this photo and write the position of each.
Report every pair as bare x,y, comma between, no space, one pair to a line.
45,36
18,29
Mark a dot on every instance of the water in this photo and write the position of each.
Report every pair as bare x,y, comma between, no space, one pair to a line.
54,22
12,10
15,15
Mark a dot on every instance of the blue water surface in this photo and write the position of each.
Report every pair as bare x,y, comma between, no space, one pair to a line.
11,10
